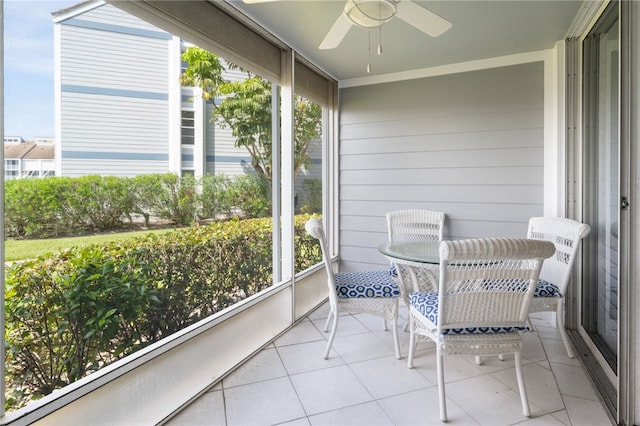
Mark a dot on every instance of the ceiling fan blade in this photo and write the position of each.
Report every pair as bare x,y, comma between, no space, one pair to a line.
421,18
337,32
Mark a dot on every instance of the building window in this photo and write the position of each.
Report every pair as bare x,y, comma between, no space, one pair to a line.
187,128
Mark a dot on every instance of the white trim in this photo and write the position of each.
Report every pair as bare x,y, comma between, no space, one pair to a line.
554,136
57,99
587,16
287,149
595,352
174,106
500,61
78,9
2,254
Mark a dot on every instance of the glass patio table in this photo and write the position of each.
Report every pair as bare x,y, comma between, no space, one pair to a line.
420,254
416,265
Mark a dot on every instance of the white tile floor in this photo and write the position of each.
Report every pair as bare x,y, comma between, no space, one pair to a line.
362,383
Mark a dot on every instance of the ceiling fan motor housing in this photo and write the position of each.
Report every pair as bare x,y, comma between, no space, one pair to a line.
370,13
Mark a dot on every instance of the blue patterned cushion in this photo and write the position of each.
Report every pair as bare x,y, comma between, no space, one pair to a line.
393,271
546,289
366,284
427,304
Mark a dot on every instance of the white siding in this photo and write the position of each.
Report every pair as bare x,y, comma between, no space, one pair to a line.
468,144
95,58
114,103
108,15
128,168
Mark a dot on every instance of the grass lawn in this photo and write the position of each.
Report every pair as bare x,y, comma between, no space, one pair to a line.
28,249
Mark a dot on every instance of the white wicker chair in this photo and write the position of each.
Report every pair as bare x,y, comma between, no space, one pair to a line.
414,226
482,304
566,235
372,292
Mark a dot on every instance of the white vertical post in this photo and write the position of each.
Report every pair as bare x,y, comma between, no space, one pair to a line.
276,207
2,324
174,106
288,151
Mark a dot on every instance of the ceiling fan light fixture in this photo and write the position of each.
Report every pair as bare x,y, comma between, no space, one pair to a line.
370,13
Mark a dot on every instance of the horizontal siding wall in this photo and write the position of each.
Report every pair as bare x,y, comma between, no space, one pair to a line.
468,144
114,101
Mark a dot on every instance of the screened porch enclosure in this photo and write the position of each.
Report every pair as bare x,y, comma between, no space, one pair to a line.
483,140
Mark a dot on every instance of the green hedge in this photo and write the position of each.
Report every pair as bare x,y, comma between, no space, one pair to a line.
73,312
61,206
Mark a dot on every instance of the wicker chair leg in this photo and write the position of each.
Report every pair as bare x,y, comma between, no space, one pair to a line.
529,323
406,323
384,324
441,396
326,324
523,391
334,327
394,330
563,332
412,345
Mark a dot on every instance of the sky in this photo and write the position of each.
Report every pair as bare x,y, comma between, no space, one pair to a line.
28,67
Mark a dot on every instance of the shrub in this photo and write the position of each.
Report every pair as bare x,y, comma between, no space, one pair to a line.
311,196
33,208
249,196
143,188
51,207
77,310
97,203
216,202
176,198
70,314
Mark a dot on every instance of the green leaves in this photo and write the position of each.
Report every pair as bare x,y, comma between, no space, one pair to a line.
244,105
42,208
75,311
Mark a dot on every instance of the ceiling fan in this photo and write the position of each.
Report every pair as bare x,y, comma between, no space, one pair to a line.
370,14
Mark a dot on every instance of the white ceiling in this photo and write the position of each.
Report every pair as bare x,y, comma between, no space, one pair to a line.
481,29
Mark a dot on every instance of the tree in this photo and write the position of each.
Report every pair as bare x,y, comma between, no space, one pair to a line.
245,107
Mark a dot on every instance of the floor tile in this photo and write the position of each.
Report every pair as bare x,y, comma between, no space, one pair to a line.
269,402
361,347
547,332
546,420
556,352
387,376
573,381
487,400
422,408
368,414
562,417
456,367
264,365
290,383
372,322
329,389
541,386
303,421
303,332
307,357
586,412
532,348
347,326
206,410
321,312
